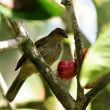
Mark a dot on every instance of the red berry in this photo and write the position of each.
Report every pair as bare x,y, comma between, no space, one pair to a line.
67,69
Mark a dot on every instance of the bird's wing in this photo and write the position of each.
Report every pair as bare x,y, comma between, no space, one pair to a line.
38,44
20,62
41,42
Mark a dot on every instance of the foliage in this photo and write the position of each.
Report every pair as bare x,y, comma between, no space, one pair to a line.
32,9
97,62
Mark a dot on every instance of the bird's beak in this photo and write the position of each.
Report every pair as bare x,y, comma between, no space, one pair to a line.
64,35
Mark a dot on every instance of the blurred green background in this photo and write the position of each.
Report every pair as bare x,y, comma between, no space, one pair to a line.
92,17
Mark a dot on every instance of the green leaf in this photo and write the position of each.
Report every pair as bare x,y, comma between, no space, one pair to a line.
103,13
97,61
43,9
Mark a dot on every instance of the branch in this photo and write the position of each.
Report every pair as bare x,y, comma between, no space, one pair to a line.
29,105
8,25
11,44
18,28
101,84
4,88
78,45
19,34
60,92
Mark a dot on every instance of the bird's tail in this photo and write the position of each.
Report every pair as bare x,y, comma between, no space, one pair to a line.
14,88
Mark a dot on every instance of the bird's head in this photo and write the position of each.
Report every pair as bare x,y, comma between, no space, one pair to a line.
58,34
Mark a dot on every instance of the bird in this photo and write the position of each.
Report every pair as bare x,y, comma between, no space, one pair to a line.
49,47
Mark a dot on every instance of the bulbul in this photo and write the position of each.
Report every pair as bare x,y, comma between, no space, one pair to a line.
49,47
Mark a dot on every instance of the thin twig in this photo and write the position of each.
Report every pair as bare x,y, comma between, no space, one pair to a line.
8,25
4,88
18,28
77,37
60,92
100,85
11,44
